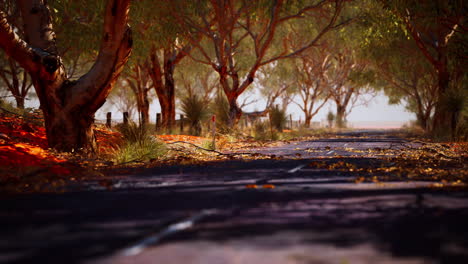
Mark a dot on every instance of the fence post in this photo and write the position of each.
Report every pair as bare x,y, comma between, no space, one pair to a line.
125,118
290,122
109,119
213,130
158,121
181,123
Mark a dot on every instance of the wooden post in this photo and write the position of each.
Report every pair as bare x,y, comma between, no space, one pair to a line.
158,121
109,119
181,123
290,121
125,118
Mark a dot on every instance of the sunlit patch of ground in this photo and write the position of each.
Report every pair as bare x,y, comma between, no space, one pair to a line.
27,164
187,138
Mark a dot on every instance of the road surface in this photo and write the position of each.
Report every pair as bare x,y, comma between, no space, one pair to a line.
284,209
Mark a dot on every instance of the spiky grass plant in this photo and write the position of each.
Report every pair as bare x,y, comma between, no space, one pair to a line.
195,111
139,145
278,118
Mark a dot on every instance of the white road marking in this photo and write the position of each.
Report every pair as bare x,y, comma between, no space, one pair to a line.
297,168
174,228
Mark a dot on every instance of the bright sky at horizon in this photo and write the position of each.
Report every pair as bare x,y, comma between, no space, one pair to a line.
378,110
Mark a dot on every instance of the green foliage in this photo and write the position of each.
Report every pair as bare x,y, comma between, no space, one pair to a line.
195,111
139,145
78,25
278,118
208,144
145,150
261,131
133,132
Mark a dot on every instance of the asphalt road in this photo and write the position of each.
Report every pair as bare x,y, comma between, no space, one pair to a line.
206,214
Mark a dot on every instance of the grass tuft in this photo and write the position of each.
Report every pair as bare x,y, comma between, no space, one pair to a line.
139,145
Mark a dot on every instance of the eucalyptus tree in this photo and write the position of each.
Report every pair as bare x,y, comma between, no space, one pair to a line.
160,45
435,26
140,84
276,83
405,74
313,82
14,77
240,36
68,105
343,92
122,98
196,80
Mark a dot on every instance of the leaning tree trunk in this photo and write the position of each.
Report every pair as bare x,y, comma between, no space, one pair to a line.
68,106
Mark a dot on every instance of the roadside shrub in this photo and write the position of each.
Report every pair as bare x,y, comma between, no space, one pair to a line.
208,144
195,111
278,118
133,132
145,150
262,132
330,119
139,145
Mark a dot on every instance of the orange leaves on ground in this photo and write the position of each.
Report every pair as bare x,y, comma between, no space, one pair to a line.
23,150
460,147
186,138
107,140
18,157
19,130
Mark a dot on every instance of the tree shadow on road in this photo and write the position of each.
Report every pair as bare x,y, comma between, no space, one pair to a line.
79,226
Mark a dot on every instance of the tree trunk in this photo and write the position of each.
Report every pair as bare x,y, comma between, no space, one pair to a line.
235,112
340,116
170,94
19,102
422,121
138,83
17,90
307,120
163,81
68,107
442,122
144,111
70,131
